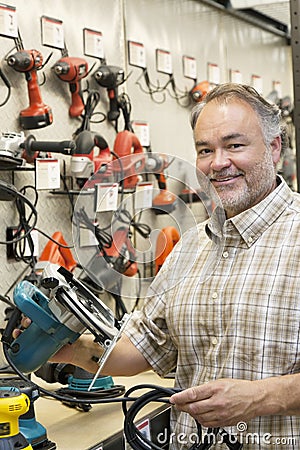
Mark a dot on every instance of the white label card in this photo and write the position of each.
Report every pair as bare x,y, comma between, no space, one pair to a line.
213,73
93,43
143,196
189,67
8,21
47,174
236,76
142,130
52,32
106,196
137,54
164,61
257,83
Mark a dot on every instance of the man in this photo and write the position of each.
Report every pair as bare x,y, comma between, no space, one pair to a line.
231,325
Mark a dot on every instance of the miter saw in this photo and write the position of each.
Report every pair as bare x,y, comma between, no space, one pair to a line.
60,311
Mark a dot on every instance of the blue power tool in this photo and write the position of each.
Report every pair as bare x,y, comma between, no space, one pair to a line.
60,314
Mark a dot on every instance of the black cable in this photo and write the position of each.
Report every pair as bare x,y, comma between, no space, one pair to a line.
22,201
124,216
6,299
125,106
20,247
53,240
90,105
138,441
7,84
104,239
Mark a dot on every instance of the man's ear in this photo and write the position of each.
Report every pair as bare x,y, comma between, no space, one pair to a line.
276,149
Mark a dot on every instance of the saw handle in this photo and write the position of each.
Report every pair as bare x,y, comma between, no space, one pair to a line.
31,146
45,335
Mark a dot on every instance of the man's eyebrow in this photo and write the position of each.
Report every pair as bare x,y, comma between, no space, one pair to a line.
225,138
230,136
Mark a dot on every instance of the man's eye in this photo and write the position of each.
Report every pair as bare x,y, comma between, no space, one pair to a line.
233,146
204,151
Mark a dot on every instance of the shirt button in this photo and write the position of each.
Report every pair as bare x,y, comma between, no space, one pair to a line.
250,240
225,255
214,341
214,295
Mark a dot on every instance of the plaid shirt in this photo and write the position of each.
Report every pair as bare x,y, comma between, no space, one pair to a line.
226,305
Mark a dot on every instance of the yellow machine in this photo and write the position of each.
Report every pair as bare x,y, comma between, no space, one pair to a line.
13,404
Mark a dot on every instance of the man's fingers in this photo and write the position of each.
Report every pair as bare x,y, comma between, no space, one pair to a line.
191,395
25,322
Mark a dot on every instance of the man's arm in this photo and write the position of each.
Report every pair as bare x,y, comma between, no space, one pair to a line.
226,402
124,360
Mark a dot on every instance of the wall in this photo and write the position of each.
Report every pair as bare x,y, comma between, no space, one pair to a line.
183,27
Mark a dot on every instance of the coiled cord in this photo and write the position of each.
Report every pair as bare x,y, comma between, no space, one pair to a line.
138,441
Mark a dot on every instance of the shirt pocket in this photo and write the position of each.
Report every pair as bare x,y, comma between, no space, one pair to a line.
266,334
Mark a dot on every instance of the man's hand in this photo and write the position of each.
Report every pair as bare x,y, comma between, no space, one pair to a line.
220,403
81,353
25,322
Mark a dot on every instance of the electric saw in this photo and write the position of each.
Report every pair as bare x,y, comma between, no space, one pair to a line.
61,309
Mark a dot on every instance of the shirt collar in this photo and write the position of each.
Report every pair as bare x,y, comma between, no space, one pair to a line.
250,224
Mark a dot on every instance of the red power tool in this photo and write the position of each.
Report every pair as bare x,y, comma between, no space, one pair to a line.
55,254
200,90
128,147
92,155
165,201
37,115
72,70
166,240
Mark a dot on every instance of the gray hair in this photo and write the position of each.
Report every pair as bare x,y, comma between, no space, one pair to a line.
268,114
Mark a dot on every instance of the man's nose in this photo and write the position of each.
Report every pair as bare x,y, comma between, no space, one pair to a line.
220,160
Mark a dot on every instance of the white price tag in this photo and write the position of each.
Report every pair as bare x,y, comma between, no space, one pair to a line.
137,54
213,73
47,174
93,43
106,197
164,61
52,32
257,83
236,76
277,87
142,130
144,428
143,196
189,67
87,238
8,21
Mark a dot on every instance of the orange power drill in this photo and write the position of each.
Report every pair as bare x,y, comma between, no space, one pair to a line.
37,115
72,70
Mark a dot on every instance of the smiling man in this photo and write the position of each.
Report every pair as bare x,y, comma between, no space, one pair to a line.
234,150
224,309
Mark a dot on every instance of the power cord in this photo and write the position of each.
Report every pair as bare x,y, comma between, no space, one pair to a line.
19,248
92,101
138,441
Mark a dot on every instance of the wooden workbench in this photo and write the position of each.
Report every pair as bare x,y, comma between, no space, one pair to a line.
72,429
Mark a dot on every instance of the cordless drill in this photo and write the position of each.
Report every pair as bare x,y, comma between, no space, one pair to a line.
72,70
110,77
37,115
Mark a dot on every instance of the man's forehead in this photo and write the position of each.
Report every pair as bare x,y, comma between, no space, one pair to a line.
216,113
